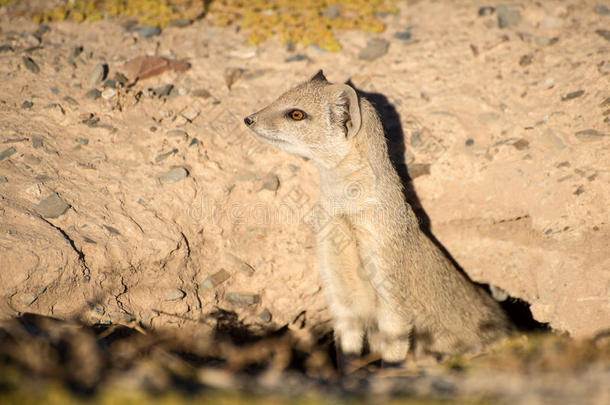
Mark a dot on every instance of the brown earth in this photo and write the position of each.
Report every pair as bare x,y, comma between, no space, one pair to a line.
507,141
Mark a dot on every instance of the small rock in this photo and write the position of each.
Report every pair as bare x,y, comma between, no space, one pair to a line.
375,48
83,141
507,17
565,163
121,79
97,74
241,299
572,95
418,169
265,315
194,142
543,41
112,229
108,94
215,279
30,64
7,153
180,22
54,90
526,59
162,156
110,83
27,105
240,264
486,10
403,36
270,182
332,11
521,144
145,31
602,10
190,114
70,100
177,133
52,207
415,139
296,58
589,135
605,103
203,93
605,34
469,142
36,142
76,51
604,67
173,175
3,179
93,94
163,91
579,190
28,298
175,294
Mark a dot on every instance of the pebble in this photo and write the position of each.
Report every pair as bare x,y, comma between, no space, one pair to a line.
415,139
551,141
30,64
83,141
70,100
486,10
190,114
507,16
270,182
194,142
469,142
120,78
173,175
7,153
97,74
110,83
241,299
605,103
589,135
93,94
240,264
145,31
605,34
579,190
27,105
76,51
521,144
418,169
203,93
403,36
572,95
296,58
180,22
177,133
526,60
602,10
215,279
112,229
108,94
3,179
175,294
375,48
54,90
52,207
162,156
265,315
36,142
543,41
604,67
163,91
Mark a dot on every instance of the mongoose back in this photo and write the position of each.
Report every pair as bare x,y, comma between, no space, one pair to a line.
383,278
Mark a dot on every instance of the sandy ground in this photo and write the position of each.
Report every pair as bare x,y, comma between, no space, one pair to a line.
155,206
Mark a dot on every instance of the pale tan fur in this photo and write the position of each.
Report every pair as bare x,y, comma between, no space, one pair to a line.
383,277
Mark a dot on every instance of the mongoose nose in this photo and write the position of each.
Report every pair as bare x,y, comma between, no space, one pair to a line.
249,121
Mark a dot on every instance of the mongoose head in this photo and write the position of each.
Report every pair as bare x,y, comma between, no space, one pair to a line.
316,119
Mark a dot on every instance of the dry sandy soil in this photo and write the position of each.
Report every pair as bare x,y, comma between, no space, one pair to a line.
157,208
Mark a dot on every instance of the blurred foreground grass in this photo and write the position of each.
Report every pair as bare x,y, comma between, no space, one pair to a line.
306,22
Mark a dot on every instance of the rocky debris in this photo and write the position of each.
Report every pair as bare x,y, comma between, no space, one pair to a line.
174,294
173,175
162,156
26,105
508,16
572,95
112,230
177,133
242,299
97,74
30,64
264,315
404,35
521,144
270,182
526,60
7,153
602,10
93,94
202,93
215,279
589,135
605,34
375,49
145,31
485,11
298,57
37,142
52,207
189,114
240,264
70,100
163,91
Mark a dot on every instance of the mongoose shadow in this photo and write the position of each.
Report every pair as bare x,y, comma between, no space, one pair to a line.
517,309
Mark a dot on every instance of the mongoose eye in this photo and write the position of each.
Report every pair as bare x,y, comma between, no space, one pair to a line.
297,115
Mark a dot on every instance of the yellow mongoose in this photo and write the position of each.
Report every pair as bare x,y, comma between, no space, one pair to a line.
383,279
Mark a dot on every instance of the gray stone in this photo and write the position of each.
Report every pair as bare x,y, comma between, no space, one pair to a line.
162,156
7,153
163,91
589,135
173,176
215,279
194,142
242,299
180,22
112,229
179,133
190,114
203,93
27,104
526,60
265,315
76,51
469,142
521,144
121,79
572,95
605,34
97,74
93,94
602,10
270,182
415,139
30,64
110,83
36,142
240,264
485,11
507,16
403,36
70,100
145,31
174,294
83,141
52,207
296,58
375,48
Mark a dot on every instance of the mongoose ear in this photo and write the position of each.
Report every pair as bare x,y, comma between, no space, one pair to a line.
319,77
348,107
